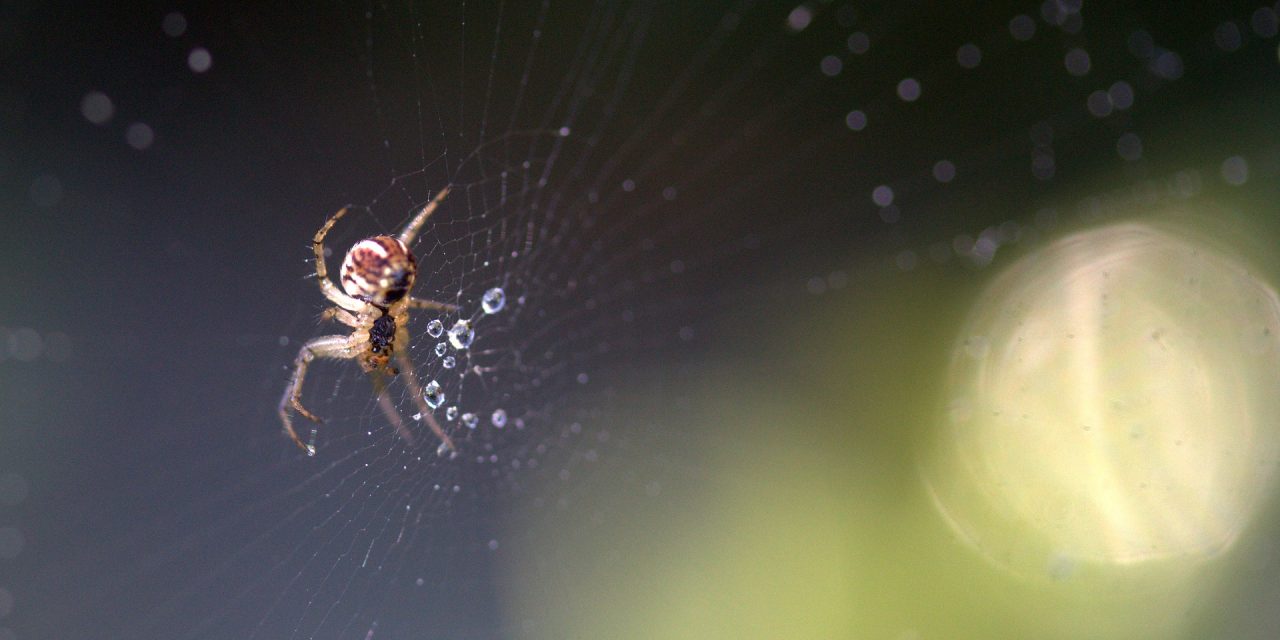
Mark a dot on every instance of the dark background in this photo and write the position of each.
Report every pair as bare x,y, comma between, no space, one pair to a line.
160,500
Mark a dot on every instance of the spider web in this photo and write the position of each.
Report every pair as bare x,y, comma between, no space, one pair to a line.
636,179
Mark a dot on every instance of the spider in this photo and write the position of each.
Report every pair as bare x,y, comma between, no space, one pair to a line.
374,301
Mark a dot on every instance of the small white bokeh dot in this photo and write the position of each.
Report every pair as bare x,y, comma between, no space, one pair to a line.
859,43
564,132
944,171
1121,95
969,55
799,18
199,60
1077,62
174,24
909,89
139,136
96,107
1099,104
1265,22
882,195
1129,146
1022,28
1227,36
856,120
628,185
831,66
1235,170
1167,65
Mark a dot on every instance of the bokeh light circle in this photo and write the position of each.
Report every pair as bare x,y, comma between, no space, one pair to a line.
1111,401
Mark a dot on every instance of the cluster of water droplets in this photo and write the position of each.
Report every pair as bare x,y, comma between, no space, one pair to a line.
461,336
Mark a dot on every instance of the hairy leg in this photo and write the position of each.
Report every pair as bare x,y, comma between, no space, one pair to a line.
323,347
411,230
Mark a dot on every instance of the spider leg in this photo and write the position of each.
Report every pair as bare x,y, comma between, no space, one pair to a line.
415,389
379,380
327,287
411,230
419,303
324,347
341,315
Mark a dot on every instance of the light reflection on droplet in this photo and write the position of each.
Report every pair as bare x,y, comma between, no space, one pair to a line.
435,328
433,395
493,300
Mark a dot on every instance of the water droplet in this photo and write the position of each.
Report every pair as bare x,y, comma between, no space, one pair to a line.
499,418
442,449
493,300
435,328
441,348
449,362
433,394
451,413
461,335
470,420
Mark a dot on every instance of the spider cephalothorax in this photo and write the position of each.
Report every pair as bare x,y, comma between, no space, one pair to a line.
374,301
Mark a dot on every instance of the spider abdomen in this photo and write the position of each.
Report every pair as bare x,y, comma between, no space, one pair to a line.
379,270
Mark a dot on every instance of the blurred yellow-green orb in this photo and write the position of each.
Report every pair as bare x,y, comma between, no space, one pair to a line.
1113,399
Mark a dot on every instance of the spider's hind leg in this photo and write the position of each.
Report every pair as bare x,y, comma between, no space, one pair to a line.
379,380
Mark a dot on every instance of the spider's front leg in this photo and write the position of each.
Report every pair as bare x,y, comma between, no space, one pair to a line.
327,287
341,315
323,347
